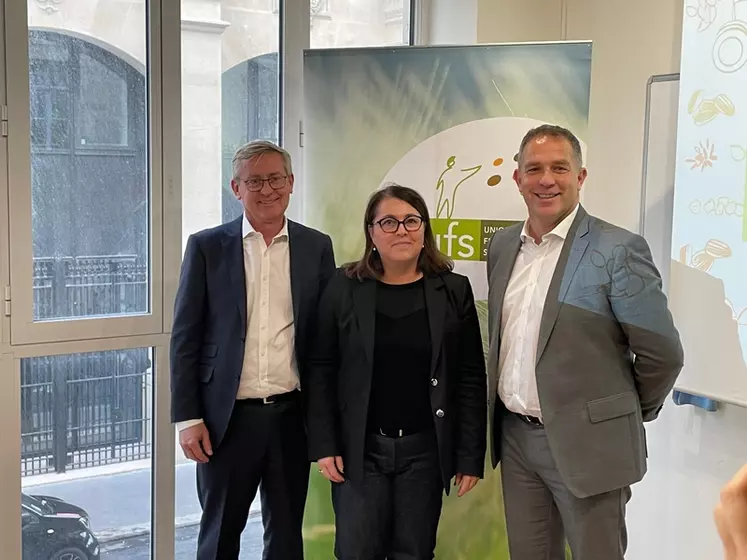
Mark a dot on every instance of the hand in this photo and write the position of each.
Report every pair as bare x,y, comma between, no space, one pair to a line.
731,517
195,442
332,468
465,482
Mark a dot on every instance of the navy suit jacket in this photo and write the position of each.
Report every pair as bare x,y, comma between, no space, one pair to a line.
209,330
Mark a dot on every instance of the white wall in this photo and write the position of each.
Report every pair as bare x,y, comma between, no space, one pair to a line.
508,21
447,22
632,41
692,452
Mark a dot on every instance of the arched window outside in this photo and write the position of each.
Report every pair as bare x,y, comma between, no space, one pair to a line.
249,112
88,150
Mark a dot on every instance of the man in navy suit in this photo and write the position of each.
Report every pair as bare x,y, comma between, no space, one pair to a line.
245,310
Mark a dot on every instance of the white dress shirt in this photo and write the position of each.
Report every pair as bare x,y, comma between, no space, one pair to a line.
522,314
269,366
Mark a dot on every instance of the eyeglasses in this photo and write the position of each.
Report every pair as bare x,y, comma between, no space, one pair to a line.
255,184
391,224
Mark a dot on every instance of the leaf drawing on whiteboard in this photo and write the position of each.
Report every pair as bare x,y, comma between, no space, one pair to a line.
704,110
705,11
704,156
721,206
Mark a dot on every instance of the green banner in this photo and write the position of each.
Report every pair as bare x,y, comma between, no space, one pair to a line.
448,122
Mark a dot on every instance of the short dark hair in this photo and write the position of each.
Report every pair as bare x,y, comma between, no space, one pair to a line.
554,131
431,260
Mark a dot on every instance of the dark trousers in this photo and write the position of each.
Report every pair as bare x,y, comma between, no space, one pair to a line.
393,511
265,447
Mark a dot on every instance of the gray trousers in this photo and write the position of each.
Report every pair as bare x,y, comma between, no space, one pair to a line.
541,512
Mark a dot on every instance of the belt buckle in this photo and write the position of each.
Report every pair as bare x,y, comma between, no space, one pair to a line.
399,433
268,400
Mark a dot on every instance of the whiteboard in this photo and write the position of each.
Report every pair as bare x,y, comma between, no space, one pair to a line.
709,326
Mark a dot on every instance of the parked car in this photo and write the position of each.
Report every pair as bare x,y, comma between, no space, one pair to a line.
56,530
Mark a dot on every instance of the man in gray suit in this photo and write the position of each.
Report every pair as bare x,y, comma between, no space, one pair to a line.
583,350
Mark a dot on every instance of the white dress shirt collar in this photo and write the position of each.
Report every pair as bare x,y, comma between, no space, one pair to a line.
561,230
247,229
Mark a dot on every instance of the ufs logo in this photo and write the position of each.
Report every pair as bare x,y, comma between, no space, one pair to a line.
462,239
459,239
466,240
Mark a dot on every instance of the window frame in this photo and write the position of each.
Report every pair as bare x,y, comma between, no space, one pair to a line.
23,328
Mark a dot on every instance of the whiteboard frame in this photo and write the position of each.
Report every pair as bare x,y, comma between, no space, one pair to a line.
655,79
669,205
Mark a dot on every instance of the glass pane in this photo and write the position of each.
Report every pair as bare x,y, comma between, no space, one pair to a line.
102,104
188,514
359,23
86,444
89,160
229,96
230,86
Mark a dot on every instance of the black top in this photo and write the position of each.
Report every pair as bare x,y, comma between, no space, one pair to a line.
340,373
400,396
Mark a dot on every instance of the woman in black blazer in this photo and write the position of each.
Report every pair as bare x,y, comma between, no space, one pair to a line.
396,389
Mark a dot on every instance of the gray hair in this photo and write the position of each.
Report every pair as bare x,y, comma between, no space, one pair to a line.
258,148
553,131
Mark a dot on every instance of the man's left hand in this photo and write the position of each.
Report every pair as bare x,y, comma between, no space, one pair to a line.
465,482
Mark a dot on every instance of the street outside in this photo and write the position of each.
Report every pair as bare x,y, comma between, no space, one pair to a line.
119,506
138,548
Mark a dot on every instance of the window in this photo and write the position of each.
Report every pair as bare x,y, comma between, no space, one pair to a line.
86,413
50,98
89,180
360,23
249,110
236,72
102,101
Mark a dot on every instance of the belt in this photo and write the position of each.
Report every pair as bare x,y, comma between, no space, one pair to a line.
395,433
531,420
272,399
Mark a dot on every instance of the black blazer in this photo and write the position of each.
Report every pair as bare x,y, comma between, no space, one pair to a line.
341,368
207,339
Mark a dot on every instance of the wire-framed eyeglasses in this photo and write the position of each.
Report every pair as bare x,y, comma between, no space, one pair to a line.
255,184
390,224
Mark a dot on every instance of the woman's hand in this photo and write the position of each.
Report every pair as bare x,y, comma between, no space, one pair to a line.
332,468
465,482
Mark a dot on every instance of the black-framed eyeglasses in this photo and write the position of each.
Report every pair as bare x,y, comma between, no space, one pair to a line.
255,184
389,224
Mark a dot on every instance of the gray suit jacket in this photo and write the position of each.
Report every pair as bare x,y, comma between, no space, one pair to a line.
608,352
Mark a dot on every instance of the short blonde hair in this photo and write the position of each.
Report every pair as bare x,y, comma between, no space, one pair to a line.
257,148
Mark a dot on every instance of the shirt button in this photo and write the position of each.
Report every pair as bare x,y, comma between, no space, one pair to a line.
440,413
434,381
